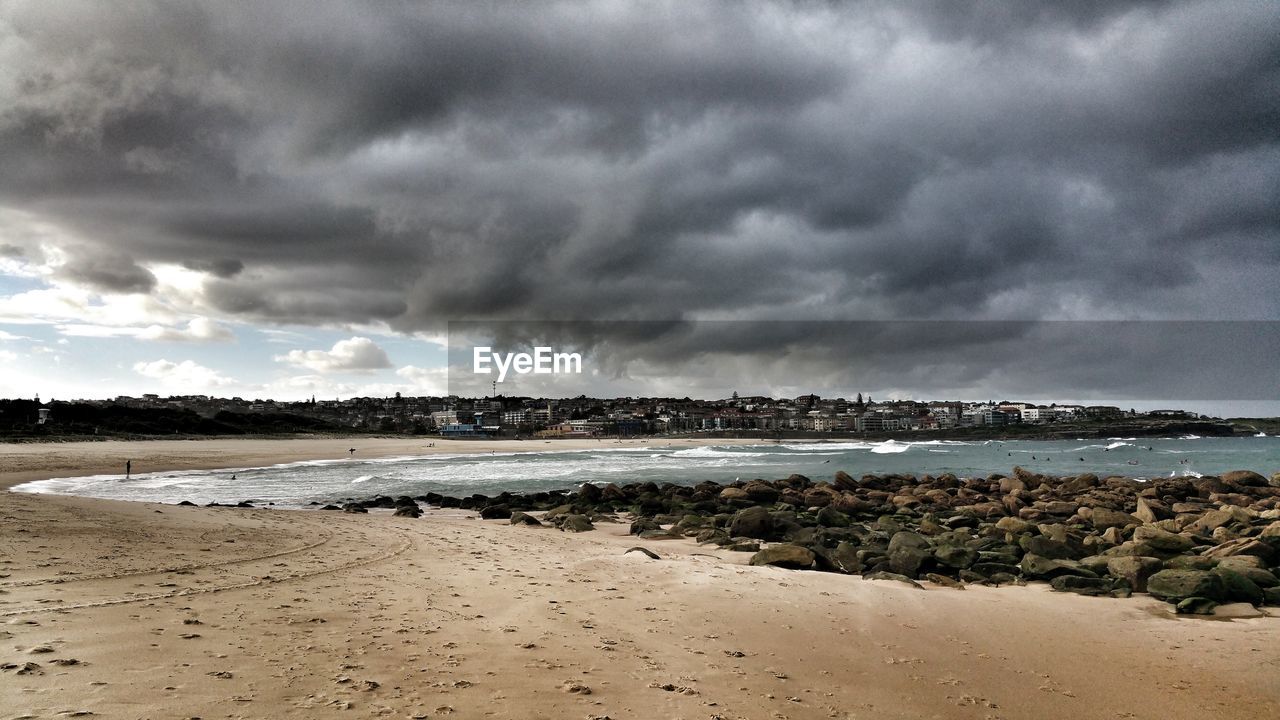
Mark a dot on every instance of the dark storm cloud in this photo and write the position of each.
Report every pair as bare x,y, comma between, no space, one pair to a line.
1029,360
225,268
419,162
107,273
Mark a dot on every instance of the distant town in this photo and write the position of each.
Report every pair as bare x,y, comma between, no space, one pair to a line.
578,417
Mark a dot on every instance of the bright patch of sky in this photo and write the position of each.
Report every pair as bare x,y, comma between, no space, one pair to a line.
63,361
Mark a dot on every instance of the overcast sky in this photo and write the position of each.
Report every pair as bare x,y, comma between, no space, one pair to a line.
281,198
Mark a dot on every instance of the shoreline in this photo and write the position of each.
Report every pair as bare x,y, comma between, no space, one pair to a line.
28,462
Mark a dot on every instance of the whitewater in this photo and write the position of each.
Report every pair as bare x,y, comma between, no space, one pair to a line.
301,483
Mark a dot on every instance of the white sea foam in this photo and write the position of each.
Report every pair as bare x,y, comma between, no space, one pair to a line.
548,468
828,447
712,451
889,447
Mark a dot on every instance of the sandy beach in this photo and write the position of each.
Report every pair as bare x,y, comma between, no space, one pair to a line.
136,610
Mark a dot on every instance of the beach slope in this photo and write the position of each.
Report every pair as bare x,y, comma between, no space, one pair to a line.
140,610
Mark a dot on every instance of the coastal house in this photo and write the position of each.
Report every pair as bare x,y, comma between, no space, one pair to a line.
1103,412
869,423
994,417
444,417
456,430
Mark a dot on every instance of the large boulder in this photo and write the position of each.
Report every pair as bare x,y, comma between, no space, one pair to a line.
1043,568
1046,547
576,523
1162,540
1260,577
1065,508
1081,585
1242,546
1196,606
1134,569
1214,519
644,524
1177,585
831,517
410,511
557,512
519,518
844,482
752,522
907,552
1011,484
1103,518
787,556
844,559
1150,510
1014,525
1237,587
820,496
1238,562
1247,478
1190,562
955,556
761,492
590,493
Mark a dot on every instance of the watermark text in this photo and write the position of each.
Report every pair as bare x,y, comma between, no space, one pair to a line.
543,361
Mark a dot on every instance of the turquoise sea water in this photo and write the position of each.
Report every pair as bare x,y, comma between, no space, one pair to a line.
297,484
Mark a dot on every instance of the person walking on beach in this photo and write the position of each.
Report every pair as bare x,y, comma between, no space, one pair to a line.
128,469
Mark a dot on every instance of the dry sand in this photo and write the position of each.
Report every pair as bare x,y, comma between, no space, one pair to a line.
135,610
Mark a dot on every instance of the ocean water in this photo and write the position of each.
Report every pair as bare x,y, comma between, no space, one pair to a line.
297,484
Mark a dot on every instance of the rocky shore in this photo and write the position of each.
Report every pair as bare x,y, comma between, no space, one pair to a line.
1192,542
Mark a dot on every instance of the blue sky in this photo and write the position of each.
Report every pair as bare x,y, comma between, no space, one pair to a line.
64,342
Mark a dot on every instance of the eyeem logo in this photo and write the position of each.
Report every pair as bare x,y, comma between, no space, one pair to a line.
542,362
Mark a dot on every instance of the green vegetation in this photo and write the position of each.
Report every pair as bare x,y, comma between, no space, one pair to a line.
19,421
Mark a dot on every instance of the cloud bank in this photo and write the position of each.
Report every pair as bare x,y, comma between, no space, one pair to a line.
407,164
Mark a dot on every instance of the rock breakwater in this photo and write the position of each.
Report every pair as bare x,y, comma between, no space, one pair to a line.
1191,541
